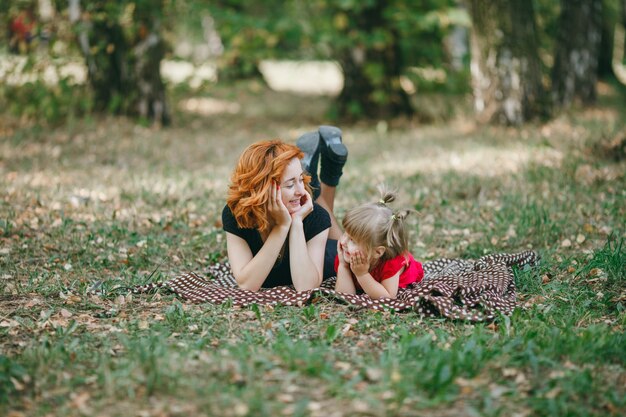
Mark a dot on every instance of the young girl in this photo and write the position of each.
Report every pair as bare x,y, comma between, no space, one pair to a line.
372,254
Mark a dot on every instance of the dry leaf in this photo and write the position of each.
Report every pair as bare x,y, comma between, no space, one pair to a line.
373,374
9,323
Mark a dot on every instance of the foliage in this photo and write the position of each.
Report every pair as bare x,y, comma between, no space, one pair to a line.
39,91
252,31
332,30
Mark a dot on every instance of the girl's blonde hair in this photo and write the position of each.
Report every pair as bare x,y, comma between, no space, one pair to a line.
260,166
376,224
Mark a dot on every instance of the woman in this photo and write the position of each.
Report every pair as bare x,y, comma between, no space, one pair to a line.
275,233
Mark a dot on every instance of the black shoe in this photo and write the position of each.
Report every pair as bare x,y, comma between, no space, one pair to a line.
334,155
309,143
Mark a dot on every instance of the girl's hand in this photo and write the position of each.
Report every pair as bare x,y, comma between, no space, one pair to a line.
343,241
305,209
341,254
359,264
277,210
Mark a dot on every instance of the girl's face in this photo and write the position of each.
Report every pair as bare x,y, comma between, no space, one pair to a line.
292,186
351,246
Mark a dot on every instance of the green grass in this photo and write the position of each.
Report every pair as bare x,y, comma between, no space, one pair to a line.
89,209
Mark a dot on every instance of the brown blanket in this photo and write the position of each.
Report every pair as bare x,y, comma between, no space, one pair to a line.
454,288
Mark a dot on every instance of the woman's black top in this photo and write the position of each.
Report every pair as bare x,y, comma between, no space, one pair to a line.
317,221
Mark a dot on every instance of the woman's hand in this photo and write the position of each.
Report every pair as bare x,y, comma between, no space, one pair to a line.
359,264
277,210
305,209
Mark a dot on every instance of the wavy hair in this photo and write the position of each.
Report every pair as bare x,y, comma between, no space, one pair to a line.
259,166
376,224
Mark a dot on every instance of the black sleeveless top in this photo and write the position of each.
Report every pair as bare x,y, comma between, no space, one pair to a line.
317,221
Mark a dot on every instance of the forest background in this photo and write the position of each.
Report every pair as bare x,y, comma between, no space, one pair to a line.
500,122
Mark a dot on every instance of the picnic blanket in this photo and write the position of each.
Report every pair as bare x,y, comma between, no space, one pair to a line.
474,290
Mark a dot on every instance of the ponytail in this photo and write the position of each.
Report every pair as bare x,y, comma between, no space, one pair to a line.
397,239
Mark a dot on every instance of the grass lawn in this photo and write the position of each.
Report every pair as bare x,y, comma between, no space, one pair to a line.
102,203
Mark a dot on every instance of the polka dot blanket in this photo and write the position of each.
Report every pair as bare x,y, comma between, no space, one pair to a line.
474,290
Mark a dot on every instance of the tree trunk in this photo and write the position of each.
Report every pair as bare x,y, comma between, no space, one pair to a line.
617,62
123,65
575,71
505,66
371,72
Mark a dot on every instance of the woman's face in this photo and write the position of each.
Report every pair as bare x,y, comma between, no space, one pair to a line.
292,186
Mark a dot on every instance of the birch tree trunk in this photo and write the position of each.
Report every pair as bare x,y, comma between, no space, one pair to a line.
505,66
575,71
617,62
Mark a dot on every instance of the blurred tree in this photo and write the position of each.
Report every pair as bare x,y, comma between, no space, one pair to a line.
374,42
506,70
123,48
251,32
575,70
368,49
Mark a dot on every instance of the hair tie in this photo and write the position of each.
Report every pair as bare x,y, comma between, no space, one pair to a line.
394,217
381,201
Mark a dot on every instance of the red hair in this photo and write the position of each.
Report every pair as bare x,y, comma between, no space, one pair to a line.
260,166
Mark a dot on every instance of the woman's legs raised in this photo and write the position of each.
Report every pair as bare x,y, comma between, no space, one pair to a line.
327,200
325,144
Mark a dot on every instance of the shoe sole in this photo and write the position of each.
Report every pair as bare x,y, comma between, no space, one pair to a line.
331,136
308,143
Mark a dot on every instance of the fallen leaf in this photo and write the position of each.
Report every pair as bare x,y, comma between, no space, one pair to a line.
373,374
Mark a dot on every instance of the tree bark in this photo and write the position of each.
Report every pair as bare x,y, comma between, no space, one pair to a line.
505,66
372,72
123,70
575,71
617,61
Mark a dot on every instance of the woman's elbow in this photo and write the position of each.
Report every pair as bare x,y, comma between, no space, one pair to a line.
308,286
247,285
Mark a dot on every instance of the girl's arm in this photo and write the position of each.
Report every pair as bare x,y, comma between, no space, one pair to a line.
251,271
345,282
387,289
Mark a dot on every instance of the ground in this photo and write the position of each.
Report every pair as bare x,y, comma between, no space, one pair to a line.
99,204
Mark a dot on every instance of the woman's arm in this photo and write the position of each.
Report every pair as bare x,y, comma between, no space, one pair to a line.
306,259
251,271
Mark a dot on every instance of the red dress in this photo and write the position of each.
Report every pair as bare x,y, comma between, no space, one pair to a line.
385,270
